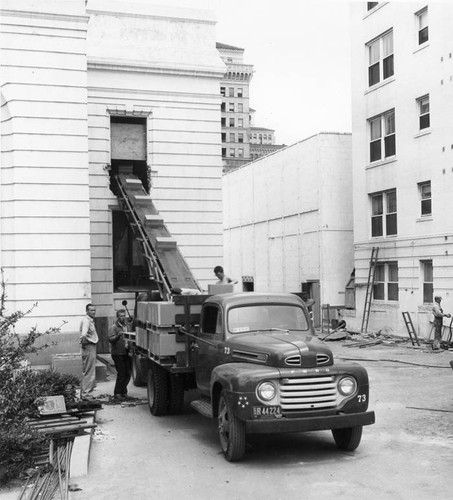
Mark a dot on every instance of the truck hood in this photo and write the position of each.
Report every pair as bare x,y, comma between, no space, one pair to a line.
280,349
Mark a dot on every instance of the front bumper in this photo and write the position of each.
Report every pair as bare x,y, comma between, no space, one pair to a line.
279,425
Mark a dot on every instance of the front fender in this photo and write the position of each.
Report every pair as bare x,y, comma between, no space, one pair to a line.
233,378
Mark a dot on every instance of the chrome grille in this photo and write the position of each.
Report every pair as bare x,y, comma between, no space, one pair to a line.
307,393
322,359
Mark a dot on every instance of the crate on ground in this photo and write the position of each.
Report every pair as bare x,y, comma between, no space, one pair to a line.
70,363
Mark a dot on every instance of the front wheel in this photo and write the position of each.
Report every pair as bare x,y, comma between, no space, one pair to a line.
157,390
231,431
348,439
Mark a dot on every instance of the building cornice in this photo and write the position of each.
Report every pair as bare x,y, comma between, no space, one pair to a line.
153,67
44,15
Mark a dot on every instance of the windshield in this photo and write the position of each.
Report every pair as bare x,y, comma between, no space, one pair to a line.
266,317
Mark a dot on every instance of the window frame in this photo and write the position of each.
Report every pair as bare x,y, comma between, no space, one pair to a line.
385,286
422,31
240,92
428,285
385,217
424,118
382,67
231,107
425,200
386,141
232,137
231,122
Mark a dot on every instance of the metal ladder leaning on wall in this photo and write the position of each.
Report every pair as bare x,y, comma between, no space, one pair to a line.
369,289
165,263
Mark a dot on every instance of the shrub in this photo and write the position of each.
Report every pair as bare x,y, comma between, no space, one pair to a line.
20,388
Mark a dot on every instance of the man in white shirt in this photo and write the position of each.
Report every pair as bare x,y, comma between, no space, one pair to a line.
438,322
88,340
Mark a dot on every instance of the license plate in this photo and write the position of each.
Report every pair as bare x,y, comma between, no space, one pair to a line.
266,411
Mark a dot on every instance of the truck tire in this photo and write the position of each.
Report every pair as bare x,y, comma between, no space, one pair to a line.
139,368
231,431
157,390
348,439
176,393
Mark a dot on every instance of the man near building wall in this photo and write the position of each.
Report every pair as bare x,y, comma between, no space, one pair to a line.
88,340
119,354
438,322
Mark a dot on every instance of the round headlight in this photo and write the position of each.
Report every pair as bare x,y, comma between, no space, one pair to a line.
266,391
347,386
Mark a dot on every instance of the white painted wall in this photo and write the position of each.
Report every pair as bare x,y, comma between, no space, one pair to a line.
419,157
45,245
288,218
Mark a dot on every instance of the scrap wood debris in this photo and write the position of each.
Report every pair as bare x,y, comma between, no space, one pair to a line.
126,401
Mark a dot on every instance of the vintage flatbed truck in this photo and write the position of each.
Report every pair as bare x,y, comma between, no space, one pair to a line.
256,362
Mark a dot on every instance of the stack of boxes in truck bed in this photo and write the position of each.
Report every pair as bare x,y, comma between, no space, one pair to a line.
157,328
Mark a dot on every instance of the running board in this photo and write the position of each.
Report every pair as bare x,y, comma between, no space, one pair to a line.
203,407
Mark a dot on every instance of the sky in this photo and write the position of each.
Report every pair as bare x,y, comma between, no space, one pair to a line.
300,50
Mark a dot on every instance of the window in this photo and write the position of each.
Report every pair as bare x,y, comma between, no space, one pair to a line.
232,152
232,138
380,59
231,106
428,288
241,153
223,121
231,122
223,137
425,198
222,91
212,320
383,214
240,107
422,26
385,285
222,107
240,92
382,136
371,5
423,110
240,122
223,152
231,92
240,137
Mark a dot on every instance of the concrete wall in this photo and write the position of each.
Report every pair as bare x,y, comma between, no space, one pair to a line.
45,244
420,156
288,218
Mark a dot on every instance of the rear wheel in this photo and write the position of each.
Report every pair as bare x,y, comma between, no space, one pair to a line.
158,390
139,370
231,431
349,438
176,393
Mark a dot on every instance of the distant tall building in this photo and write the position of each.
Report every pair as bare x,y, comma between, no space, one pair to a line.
235,115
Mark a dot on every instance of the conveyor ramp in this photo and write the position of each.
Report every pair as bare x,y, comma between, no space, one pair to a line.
165,262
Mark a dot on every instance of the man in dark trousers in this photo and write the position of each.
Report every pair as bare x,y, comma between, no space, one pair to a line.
439,316
119,354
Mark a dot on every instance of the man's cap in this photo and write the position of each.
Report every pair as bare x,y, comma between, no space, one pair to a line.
438,297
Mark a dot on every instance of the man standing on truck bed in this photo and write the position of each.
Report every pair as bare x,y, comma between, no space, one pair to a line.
223,279
88,340
119,354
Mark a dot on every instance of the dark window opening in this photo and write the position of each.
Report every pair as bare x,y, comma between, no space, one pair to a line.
371,5
129,268
248,286
209,321
423,35
373,74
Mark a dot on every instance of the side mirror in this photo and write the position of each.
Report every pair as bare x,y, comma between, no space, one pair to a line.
124,302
